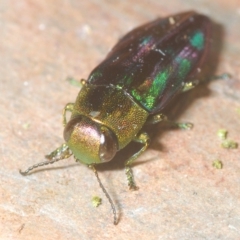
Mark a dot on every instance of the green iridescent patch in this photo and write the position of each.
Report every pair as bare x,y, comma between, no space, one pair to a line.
184,68
197,40
145,41
148,93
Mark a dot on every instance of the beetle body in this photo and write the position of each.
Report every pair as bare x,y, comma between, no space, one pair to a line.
143,72
139,77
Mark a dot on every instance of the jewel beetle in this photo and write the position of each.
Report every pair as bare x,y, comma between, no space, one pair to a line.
140,76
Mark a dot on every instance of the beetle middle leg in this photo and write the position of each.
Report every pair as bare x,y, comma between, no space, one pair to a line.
144,139
161,117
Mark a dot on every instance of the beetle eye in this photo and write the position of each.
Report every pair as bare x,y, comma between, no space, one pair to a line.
108,145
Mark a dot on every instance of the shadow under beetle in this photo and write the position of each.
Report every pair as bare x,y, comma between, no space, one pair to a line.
143,72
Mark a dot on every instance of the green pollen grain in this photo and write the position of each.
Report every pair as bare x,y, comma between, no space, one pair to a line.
96,201
217,164
229,144
222,134
197,40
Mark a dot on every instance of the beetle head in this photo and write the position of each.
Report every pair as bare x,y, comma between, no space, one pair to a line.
90,142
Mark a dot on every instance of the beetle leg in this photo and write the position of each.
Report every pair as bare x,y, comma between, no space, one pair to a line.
189,85
144,139
161,117
182,125
67,108
156,119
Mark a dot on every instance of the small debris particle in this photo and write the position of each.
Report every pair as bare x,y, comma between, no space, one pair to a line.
26,125
96,201
217,164
229,144
222,134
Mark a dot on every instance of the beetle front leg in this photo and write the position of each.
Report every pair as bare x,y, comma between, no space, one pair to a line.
145,140
67,108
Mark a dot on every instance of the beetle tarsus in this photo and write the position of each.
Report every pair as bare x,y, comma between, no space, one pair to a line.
130,178
182,125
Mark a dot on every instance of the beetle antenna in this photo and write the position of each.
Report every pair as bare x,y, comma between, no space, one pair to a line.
24,173
60,153
115,222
